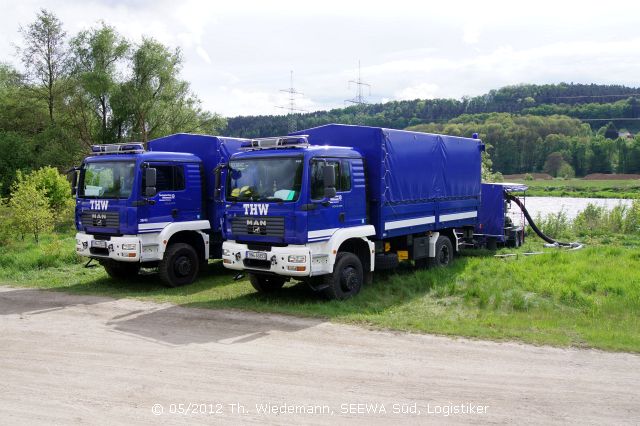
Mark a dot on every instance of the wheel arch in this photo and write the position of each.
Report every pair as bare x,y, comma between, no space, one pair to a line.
194,238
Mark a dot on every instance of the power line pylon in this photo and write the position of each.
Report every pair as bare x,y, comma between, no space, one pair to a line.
292,105
359,100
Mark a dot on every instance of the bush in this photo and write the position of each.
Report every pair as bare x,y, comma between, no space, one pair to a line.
29,210
566,171
56,190
555,225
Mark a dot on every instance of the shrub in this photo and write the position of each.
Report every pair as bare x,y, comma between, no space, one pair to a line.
56,190
29,210
566,171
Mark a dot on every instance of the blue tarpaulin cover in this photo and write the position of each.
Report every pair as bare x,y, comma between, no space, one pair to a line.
411,174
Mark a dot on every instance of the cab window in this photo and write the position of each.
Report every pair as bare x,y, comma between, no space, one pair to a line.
343,177
168,178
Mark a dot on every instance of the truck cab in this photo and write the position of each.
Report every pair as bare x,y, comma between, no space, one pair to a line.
289,206
152,208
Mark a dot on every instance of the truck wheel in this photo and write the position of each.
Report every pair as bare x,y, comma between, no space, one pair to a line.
346,279
518,239
121,270
444,252
180,265
266,283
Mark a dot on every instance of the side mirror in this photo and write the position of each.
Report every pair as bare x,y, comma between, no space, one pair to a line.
329,178
73,175
217,190
150,175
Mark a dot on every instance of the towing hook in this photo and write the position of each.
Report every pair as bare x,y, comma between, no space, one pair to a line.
274,260
238,256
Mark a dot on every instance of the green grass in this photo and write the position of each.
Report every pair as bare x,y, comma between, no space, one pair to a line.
583,188
586,298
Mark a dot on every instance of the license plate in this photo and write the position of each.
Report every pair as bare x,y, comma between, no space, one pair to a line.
258,255
99,243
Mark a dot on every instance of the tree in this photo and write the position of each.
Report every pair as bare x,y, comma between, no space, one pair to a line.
95,56
29,210
610,131
554,163
45,56
20,158
153,87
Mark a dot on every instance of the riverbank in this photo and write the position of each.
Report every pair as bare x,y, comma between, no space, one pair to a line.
585,188
586,298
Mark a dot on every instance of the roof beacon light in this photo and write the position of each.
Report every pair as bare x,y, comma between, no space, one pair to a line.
118,148
277,142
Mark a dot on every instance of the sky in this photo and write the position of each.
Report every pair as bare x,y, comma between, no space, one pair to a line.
238,54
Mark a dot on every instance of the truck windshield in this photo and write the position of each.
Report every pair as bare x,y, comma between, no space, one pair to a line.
107,179
264,179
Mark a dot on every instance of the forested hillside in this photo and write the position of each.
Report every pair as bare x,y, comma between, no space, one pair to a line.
575,100
561,129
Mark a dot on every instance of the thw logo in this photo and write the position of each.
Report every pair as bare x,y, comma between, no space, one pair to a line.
256,209
99,204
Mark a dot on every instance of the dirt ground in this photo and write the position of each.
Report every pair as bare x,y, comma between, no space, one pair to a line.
67,359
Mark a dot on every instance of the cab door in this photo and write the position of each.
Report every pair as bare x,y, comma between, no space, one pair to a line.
325,217
175,200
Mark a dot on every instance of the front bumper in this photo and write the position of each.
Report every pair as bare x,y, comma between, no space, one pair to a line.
234,256
122,249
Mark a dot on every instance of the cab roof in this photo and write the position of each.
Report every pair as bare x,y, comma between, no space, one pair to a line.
146,156
307,151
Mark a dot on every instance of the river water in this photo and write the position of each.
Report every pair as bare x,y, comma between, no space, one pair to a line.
569,205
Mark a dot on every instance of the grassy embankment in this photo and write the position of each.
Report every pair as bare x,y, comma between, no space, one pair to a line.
583,188
586,298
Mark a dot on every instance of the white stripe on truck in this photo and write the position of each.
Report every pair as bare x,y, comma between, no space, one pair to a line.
409,222
457,216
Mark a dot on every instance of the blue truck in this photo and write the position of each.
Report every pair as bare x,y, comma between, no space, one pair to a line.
332,204
156,207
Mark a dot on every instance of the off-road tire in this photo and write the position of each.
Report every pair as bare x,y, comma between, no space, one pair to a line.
180,265
346,279
121,270
444,253
265,283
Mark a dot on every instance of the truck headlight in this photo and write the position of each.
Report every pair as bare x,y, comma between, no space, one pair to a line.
226,252
129,246
297,258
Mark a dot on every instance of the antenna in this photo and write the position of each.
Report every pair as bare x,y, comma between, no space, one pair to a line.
359,100
292,105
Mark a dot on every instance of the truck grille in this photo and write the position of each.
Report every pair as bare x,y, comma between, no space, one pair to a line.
100,219
269,226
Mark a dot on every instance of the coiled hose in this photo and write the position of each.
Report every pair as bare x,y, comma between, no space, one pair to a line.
535,228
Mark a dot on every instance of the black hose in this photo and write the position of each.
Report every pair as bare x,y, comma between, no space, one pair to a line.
532,223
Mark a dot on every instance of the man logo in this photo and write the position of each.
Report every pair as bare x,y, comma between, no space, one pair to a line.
256,209
255,226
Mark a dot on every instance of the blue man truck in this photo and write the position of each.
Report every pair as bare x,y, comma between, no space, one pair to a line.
153,208
332,204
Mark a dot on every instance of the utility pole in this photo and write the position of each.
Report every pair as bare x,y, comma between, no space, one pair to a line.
359,100
291,108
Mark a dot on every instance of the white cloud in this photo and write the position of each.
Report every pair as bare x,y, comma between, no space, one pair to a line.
420,91
238,55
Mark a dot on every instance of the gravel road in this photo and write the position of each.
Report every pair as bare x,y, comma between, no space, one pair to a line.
68,359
